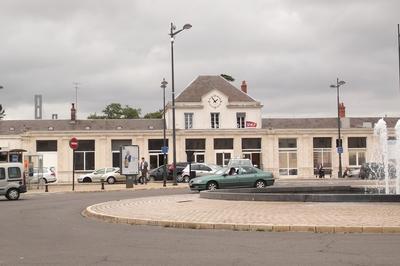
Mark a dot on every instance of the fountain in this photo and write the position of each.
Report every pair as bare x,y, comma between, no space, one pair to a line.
381,166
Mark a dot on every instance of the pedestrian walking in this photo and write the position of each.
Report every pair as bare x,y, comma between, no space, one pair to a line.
143,169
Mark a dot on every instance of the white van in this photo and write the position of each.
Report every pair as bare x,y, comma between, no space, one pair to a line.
12,180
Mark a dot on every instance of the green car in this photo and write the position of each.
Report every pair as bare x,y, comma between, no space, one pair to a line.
233,177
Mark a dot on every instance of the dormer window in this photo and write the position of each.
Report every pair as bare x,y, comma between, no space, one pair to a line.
214,120
188,120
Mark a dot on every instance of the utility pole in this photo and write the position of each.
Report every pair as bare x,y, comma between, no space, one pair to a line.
76,97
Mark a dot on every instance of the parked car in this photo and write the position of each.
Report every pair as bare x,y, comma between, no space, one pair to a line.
114,176
239,162
374,170
200,169
12,180
233,177
42,175
157,174
95,176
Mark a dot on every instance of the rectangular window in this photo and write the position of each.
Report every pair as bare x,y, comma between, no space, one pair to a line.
240,120
156,144
2,173
322,150
115,146
251,143
357,149
156,157
288,157
14,172
46,145
223,144
214,120
195,144
188,120
84,155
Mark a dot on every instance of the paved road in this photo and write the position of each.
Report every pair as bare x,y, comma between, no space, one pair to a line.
49,230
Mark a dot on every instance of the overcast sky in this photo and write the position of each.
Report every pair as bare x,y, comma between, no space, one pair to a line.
289,52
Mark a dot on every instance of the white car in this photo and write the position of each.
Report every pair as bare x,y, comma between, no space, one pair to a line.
42,175
200,169
96,176
114,176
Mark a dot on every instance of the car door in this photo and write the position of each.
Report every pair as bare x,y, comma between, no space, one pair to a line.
229,181
247,176
98,174
3,181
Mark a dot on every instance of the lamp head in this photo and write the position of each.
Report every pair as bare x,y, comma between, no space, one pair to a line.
341,82
332,86
1,87
186,26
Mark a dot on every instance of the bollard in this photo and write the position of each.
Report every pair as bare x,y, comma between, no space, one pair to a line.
102,184
46,188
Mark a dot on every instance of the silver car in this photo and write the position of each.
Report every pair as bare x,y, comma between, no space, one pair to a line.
95,176
114,176
200,169
42,175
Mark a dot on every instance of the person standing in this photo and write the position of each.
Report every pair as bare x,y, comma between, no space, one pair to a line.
321,171
143,169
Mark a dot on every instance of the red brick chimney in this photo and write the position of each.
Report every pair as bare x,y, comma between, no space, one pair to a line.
342,110
243,87
73,113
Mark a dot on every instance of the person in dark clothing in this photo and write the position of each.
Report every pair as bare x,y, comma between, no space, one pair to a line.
321,171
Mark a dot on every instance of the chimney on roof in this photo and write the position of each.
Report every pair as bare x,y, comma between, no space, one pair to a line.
243,87
342,110
73,113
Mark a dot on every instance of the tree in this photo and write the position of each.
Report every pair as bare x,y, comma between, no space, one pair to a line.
228,77
116,111
2,112
154,115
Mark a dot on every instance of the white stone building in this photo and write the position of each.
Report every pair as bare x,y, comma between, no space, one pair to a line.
215,120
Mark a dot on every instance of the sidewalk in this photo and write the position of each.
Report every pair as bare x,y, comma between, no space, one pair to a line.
191,211
96,187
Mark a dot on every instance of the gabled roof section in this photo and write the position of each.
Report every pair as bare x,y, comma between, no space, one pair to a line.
204,84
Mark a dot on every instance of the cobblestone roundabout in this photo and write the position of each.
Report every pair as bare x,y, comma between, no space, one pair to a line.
190,211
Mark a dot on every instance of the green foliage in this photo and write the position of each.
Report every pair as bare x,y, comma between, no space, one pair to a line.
154,115
228,77
2,112
116,111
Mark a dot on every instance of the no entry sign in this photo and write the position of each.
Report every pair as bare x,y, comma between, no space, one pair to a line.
73,143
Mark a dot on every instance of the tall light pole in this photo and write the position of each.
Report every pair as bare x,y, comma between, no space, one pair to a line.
172,35
339,146
163,86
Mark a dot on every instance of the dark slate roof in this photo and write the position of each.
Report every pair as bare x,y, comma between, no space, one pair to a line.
328,122
204,84
20,126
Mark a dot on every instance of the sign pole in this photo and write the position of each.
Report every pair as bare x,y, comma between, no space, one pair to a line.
73,169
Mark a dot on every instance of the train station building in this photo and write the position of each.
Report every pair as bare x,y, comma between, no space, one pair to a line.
215,120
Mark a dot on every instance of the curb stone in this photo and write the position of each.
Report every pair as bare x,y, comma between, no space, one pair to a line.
239,227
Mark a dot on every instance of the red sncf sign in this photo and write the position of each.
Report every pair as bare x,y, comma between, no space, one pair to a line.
73,143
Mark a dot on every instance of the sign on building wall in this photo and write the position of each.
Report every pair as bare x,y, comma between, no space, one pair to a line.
251,124
129,160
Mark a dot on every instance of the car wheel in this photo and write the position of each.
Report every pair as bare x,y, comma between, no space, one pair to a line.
12,194
260,184
179,178
111,180
212,185
87,180
186,178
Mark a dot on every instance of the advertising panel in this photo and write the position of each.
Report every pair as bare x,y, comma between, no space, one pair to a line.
129,160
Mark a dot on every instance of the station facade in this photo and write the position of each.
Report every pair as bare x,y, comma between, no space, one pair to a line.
215,120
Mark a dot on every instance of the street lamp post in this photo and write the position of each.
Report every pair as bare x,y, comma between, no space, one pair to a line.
163,86
172,35
339,146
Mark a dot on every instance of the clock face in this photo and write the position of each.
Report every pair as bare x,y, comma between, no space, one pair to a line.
215,101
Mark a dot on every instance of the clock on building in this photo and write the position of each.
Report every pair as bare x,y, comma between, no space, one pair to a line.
215,101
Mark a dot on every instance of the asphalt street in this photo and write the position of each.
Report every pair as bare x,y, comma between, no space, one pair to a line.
48,229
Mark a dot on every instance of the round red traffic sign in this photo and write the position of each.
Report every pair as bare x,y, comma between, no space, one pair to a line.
73,143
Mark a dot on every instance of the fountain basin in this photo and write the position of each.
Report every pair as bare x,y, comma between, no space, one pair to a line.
302,194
